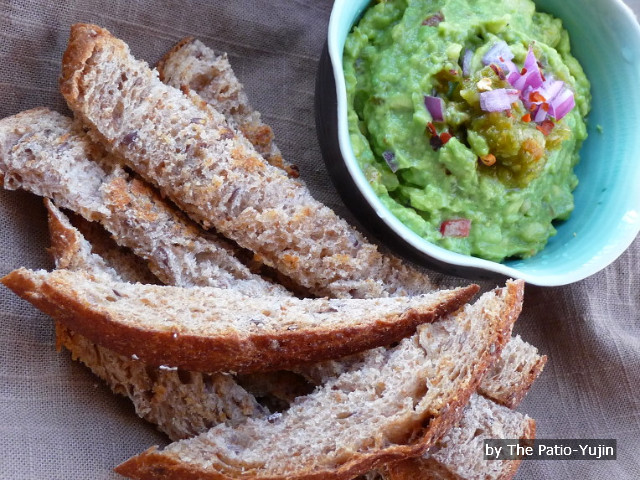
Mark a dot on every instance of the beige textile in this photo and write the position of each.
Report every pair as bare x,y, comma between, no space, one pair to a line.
59,422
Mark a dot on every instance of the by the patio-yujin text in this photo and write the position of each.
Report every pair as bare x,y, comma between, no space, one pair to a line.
550,449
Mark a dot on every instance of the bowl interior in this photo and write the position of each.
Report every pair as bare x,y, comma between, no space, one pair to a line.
605,38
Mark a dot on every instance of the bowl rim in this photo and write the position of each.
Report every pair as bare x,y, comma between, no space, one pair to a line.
335,49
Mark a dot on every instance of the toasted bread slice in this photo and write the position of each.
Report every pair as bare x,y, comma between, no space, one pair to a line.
506,383
191,65
48,154
181,403
186,403
459,454
393,406
209,329
187,149
511,377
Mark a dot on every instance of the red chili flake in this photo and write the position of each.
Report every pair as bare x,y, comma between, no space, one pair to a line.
544,106
445,137
432,129
536,97
508,113
523,71
455,227
498,71
526,118
433,20
545,127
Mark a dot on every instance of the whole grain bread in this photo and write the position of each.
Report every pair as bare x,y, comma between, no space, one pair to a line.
48,154
506,383
181,403
187,149
191,65
394,406
210,329
459,454
511,377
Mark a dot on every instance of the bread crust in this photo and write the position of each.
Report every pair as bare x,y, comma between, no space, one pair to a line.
224,183
228,351
160,66
154,465
82,41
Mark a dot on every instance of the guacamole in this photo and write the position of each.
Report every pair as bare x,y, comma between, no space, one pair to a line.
466,117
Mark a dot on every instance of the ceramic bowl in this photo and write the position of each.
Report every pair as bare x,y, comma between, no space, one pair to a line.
605,38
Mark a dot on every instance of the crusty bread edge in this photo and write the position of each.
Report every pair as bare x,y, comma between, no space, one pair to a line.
153,465
228,352
176,48
421,468
515,396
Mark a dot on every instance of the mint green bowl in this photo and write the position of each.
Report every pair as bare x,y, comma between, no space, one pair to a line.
605,38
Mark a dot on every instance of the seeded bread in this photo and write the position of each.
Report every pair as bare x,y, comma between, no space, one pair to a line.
47,154
210,329
394,406
459,453
216,177
184,404
392,284
191,65
181,403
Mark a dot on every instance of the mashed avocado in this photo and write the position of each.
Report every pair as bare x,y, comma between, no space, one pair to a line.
448,142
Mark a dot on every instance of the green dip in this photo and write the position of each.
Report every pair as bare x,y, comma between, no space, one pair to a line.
404,50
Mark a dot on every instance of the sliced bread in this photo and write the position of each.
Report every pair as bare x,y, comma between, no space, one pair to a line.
209,329
186,403
511,377
507,381
187,149
394,406
181,403
459,454
191,65
48,154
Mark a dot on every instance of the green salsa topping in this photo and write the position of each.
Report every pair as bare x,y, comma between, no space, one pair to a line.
448,143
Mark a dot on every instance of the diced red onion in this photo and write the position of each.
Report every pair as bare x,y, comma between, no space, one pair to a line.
498,53
456,227
531,62
531,78
390,158
562,104
435,106
551,88
498,100
540,115
466,62
529,81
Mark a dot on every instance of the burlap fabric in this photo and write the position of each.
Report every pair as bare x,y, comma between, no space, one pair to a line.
59,422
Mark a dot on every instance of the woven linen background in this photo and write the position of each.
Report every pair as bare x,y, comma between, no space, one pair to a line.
57,421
